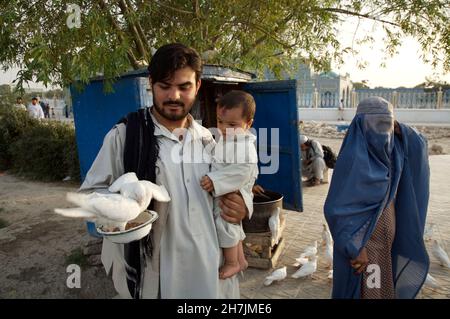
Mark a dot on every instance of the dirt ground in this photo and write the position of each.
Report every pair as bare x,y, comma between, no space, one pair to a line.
438,137
37,245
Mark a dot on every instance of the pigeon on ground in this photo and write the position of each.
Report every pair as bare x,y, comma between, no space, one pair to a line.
276,275
326,235
429,232
300,261
274,225
330,274
310,251
108,210
307,269
431,282
329,255
440,254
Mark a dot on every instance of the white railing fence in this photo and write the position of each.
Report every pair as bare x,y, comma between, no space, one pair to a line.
401,99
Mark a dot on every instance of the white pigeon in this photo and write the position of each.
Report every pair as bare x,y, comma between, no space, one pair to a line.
124,179
108,210
328,256
276,275
431,282
440,254
330,274
131,187
136,191
429,232
307,269
300,261
274,225
326,235
158,192
310,251
143,192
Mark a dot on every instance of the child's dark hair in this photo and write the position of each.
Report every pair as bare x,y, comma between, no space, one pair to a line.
239,99
173,57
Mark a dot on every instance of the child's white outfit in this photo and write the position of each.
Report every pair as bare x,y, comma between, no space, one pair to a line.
234,168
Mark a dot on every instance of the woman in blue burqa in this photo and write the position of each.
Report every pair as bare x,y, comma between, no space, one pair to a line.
376,207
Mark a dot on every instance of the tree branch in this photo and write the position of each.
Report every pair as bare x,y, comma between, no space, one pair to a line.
102,4
141,32
264,37
362,15
173,8
132,28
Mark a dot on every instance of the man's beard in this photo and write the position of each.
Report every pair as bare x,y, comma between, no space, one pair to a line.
170,116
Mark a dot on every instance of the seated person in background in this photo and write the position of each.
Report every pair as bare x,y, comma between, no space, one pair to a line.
313,163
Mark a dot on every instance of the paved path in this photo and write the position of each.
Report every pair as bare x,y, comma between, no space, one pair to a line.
303,228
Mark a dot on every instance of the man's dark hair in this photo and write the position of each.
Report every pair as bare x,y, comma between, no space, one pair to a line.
173,57
239,99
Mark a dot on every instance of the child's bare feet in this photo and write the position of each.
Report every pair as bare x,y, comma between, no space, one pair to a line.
243,264
241,257
229,269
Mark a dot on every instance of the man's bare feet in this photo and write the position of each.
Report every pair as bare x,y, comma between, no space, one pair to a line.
229,270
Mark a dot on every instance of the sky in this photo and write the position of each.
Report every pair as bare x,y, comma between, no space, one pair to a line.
404,69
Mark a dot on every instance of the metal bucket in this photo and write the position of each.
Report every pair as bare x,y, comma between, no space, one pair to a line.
262,210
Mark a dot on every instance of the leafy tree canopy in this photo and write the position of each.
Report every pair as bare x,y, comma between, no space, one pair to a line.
114,36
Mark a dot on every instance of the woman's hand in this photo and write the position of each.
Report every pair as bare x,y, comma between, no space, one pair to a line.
233,208
360,263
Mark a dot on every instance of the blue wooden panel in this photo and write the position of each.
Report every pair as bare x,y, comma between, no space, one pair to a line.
96,112
276,108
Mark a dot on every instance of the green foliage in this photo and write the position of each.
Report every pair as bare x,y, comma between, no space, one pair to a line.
360,85
6,96
13,125
118,35
44,150
77,257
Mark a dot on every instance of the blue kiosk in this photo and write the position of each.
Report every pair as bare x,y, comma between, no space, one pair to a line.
95,113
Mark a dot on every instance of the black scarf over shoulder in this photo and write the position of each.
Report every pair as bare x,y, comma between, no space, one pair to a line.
140,155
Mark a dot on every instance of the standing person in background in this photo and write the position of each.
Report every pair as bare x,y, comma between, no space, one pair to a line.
35,110
19,105
341,110
44,108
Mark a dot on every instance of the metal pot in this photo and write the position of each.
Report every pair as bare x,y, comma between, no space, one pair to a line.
262,210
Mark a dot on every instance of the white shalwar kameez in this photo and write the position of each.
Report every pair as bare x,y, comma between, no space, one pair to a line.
234,168
184,237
